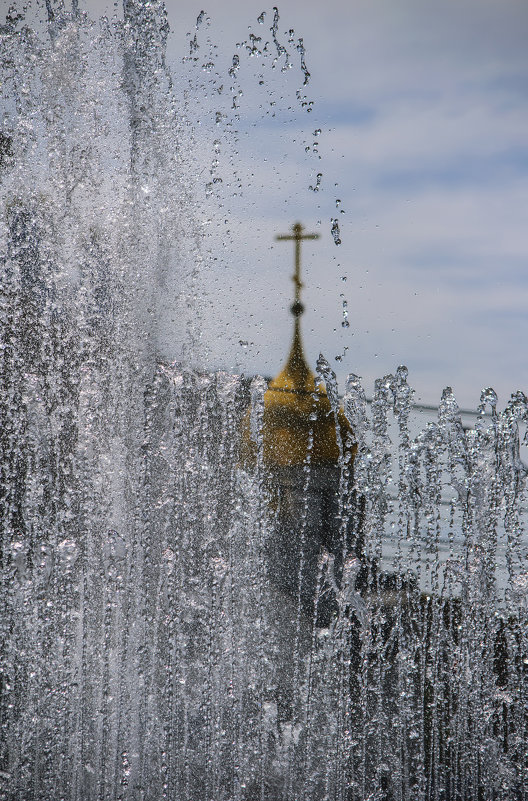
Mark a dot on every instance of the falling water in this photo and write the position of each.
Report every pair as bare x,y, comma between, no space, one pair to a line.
148,650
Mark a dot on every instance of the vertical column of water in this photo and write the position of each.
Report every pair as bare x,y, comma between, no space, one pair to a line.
40,396
511,639
484,499
375,667
20,240
167,605
360,660
181,655
256,698
230,615
451,452
40,391
404,611
355,408
470,641
176,494
300,735
80,266
167,420
209,658
143,76
329,705
317,734
460,621
437,657
218,448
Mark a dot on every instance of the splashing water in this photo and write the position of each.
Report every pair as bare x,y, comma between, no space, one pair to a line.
335,231
147,649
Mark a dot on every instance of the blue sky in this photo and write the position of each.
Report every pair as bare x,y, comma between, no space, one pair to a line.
424,142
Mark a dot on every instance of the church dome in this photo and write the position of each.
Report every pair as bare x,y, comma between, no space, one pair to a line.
298,422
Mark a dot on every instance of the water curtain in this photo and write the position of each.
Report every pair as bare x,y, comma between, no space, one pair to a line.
147,650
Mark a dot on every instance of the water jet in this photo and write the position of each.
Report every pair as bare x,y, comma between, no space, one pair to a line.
150,647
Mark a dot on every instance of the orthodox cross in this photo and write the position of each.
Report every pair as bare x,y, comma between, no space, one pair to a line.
297,236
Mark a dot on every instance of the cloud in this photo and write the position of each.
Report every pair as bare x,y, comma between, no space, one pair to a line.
422,111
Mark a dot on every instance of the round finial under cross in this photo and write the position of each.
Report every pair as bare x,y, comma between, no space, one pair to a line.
297,236
297,308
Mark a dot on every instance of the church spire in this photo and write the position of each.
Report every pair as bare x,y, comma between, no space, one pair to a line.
296,376
298,423
297,236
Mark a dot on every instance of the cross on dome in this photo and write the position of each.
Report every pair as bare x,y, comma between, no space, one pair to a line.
297,236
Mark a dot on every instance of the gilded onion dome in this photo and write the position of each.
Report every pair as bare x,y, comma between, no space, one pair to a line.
298,422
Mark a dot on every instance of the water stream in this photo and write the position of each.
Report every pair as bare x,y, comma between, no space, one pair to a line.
148,647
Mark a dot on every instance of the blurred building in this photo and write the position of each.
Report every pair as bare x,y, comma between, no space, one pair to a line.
307,457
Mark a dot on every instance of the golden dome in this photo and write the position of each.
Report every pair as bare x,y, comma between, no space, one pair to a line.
295,412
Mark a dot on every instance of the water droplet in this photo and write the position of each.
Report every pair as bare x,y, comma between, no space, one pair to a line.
345,323
234,66
301,49
336,233
317,183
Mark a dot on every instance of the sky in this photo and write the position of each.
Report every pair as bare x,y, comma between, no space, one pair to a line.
424,121
418,128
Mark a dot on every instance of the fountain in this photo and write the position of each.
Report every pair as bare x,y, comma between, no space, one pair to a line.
147,650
